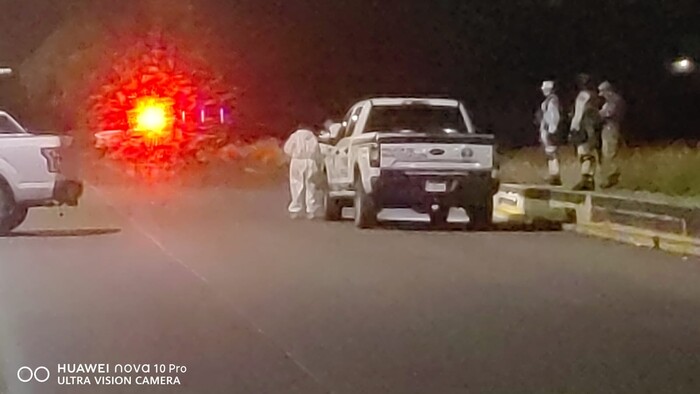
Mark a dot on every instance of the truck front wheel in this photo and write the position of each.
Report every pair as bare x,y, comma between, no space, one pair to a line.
365,211
333,208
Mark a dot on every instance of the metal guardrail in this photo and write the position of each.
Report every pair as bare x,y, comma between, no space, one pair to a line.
672,228
533,202
641,219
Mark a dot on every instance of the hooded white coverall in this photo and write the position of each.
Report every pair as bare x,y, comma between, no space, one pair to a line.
302,146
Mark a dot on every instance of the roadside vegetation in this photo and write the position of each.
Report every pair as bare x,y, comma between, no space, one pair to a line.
672,169
239,162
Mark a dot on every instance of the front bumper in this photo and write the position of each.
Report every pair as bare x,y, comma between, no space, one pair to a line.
68,192
401,189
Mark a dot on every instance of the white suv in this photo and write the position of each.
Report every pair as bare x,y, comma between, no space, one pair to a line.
30,173
423,154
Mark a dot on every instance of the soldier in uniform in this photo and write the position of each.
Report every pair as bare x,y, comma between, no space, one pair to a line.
585,125
549,124
611,115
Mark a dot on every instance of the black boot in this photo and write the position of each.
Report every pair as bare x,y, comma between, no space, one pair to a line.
586,183
612,180
554,180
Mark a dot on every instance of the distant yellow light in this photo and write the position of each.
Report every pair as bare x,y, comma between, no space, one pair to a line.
683,66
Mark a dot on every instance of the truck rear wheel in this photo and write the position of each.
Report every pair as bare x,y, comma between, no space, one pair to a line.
481,215
365,211
439,217
18,217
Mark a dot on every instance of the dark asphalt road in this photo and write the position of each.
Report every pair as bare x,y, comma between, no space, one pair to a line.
251,302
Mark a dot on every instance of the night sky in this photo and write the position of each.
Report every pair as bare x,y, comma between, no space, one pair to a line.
307,60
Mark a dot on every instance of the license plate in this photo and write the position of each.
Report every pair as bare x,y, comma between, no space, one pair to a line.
435,187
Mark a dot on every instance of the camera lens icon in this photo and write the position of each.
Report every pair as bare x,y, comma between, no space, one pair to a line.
40,374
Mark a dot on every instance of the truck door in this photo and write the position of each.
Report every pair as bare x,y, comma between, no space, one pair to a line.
343,163
331,151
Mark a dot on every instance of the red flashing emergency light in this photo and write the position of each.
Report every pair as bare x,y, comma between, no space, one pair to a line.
152,118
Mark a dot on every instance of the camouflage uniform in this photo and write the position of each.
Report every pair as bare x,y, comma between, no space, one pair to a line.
611,114
549,125
584,134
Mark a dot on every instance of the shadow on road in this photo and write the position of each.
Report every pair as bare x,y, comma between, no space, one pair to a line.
63,233
528,227
496,227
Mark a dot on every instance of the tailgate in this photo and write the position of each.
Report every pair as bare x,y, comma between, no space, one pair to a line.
23,158
439,156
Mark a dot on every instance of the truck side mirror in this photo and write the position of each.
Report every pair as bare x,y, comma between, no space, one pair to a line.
325,137
335,130
330,136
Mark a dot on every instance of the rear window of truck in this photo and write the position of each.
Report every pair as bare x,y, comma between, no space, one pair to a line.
418,118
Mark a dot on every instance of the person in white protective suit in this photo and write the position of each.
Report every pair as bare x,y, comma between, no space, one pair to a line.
584,131
303,149
611,114
550,119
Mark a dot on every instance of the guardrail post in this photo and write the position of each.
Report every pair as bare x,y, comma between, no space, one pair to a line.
684,225
584,212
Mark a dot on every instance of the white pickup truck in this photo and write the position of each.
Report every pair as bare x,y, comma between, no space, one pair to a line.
423,154
30,173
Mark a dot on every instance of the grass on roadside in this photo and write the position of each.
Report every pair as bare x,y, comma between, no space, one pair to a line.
671,169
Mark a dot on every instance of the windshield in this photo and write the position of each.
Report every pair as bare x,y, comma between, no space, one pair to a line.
8,126
418,118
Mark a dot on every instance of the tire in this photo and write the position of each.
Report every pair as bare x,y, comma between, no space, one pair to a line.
333,208
365,211
7,211
18,217
481,215
439,217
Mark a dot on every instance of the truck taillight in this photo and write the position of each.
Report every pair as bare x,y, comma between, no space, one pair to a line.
374,156
53,159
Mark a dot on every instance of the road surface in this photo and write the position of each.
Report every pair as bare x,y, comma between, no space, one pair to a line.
220,281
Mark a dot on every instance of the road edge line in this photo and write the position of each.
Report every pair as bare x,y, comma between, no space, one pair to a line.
651,239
